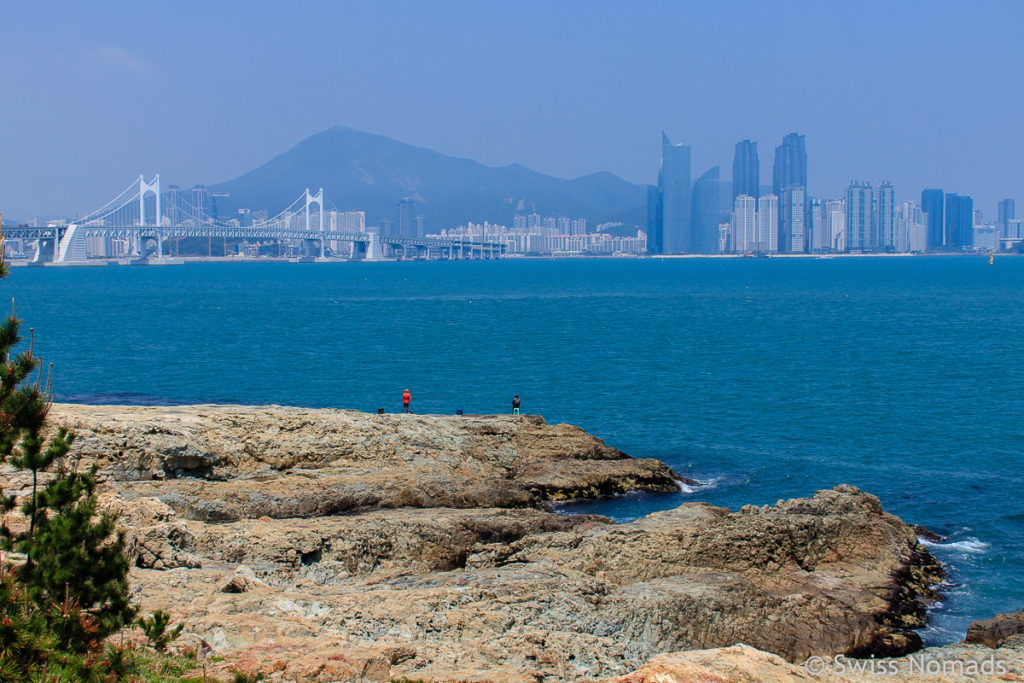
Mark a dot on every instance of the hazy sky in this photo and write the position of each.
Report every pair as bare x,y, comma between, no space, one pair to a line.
923,94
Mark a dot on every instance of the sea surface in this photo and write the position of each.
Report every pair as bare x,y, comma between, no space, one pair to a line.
762,378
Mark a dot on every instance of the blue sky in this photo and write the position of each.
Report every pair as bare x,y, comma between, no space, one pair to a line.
922,94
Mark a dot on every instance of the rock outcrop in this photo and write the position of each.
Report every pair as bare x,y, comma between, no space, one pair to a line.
331,545
998,630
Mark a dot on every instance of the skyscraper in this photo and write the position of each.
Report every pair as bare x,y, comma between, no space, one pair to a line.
704,210
959,231
1006,213
746,170
675,197
885,217
859,201
793,223
819,239
655,244
744,224
768,224
932,205
790,166
407,217
835,213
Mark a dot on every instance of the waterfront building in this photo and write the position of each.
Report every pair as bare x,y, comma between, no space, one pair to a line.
654,219
910,229
676,232
885,217
835,213
744,225
932,205
746,170
704,214
985,237
793,219
579,227
386,227
1006,213
790,167
407,217
200,200
959,223
768,224
1014,229
859,204
819,239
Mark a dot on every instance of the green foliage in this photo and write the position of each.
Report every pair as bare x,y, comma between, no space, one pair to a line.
242,677
156,631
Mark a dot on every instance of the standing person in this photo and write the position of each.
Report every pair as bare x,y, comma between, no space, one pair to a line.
515,404
406,399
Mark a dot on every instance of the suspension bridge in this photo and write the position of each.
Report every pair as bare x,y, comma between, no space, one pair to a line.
143,218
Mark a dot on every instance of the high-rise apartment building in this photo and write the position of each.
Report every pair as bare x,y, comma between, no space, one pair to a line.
959,232
744,224
746,170
768,224
819,240
1006,214
407,217
932,205
910,232
790,167
705,213
793,219
676,232
885,217
859,203
835,213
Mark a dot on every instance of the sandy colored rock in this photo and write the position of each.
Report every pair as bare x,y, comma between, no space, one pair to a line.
997,630
332,545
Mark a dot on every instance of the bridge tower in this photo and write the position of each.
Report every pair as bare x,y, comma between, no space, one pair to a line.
317,199
154,187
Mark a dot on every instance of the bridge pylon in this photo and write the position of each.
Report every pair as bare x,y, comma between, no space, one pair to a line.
154,187
317,199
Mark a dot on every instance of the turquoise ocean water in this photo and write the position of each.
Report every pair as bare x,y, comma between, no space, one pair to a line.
764,378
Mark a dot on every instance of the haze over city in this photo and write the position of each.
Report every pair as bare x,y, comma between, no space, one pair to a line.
202,93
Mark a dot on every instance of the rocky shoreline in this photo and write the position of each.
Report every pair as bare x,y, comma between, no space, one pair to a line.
335,545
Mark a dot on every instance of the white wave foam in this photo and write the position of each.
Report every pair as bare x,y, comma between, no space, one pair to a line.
968,545
698,486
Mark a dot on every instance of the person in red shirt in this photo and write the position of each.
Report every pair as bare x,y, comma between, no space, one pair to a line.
406,398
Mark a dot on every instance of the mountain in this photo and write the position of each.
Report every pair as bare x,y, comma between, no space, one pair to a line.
373,173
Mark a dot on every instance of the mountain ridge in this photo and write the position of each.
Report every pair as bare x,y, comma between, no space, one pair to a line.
371,172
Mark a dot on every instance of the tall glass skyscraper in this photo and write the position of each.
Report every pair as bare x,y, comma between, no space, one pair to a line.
1007,210
705,214
675,197
790,163
959,231
932,205
746,170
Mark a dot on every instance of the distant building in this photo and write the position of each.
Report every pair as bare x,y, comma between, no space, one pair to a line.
835,213
793,219
746,170
985,237
790,166
859,202
959,227
819,240
676,233
704,214
578,227
386,228
932,205
407,217
910,230
654,220
768,224
1007,208
744,224
200,200
885,217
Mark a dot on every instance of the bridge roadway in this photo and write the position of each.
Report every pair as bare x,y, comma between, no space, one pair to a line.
456,247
